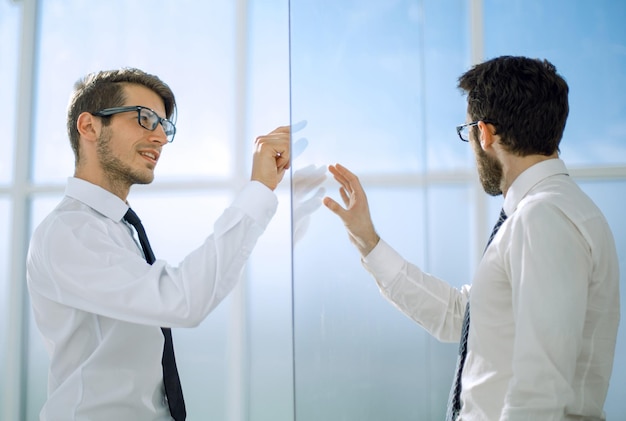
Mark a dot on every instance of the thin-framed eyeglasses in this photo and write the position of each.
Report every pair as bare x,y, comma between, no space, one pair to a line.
464,129
147,118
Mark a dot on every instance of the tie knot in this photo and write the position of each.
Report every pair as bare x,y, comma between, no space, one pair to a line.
132,218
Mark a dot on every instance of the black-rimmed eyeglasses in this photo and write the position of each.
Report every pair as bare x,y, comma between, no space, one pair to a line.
464,129
147,118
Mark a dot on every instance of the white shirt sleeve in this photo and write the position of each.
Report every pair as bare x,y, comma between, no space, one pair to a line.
85,261
429,301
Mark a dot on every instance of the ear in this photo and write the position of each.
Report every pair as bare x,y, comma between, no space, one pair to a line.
88,126
486,135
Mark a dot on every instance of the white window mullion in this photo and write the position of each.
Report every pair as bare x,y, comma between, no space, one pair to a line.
14,400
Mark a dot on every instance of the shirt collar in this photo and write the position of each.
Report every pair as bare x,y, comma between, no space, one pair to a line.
97,198
530,178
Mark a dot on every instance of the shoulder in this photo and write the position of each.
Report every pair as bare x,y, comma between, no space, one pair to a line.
558,196
558,208
69,218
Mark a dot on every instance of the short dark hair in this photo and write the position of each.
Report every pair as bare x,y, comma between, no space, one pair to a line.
525,98
105,89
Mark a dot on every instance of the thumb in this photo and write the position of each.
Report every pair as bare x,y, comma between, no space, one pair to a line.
332,205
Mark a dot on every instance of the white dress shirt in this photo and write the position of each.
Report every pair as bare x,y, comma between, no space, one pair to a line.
544,305
100,306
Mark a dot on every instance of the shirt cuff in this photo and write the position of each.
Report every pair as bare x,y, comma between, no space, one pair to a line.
258,201
383,262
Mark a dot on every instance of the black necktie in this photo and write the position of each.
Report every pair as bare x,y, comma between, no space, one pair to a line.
173,389
454,402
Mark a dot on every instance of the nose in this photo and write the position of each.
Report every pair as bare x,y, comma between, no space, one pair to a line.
158,135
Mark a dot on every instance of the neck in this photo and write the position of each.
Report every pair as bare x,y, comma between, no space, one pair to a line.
119,188
513,166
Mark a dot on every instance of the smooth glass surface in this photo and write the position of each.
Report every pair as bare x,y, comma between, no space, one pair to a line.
586,41
10,14
377,83
378,87
269,321
356,356
267,291
445,52
192,48
368,76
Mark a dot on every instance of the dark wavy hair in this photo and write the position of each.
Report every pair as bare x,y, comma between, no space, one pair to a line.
525,99
105,89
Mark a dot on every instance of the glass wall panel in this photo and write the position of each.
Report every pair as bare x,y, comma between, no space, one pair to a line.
445,52
586,43
10,14
349,344
269,320
356,356
377,86
189,44
448,230
372,78
267,290
608,195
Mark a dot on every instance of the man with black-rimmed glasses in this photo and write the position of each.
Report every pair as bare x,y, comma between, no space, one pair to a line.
544,301
102,301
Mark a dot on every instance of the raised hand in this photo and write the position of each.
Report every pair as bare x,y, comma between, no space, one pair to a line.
271,157
356,214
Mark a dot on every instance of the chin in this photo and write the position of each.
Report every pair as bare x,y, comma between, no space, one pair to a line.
493,192
142,179
491,188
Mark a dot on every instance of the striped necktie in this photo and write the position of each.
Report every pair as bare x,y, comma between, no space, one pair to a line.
454,402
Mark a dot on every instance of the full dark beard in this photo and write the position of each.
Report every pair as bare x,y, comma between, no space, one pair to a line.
489,173
489,169
117,171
